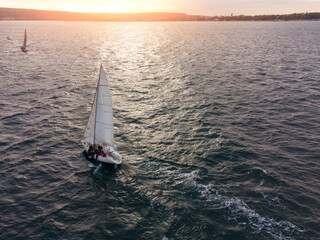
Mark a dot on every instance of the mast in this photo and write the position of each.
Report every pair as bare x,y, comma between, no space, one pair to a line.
95,115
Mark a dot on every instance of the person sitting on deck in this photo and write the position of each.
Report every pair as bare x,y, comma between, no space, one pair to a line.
98,151
90,148
91,151
103,154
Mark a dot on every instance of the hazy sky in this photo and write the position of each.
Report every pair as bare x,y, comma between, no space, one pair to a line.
201,7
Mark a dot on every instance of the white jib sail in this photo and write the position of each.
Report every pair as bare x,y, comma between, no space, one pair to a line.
100,125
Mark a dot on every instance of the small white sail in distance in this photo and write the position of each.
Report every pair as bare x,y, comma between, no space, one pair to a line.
24,47
25,39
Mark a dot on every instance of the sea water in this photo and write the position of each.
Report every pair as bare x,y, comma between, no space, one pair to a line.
217,122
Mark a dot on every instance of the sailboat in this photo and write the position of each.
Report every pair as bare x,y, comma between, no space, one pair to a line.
24,47
98,137
10,37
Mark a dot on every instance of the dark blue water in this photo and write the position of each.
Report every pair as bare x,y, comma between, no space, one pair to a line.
218,125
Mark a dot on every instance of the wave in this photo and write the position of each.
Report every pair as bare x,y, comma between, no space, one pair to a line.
235,209
243,215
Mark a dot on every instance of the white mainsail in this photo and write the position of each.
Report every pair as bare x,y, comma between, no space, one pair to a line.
100,124
25,39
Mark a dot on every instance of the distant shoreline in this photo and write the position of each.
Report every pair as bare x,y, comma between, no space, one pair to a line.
34,20
17,14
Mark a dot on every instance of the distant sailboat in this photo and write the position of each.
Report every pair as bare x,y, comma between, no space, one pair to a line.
24,47
98,137
10,37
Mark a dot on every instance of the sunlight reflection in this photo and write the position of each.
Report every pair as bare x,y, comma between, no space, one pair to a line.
113,6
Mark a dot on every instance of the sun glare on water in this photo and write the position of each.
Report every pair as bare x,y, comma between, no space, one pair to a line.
112,6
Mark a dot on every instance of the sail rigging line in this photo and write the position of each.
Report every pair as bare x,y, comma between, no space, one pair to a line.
101,104
104,123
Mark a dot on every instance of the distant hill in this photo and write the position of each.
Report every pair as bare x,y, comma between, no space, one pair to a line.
43,15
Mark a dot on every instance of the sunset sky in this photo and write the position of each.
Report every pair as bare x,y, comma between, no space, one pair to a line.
201,7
